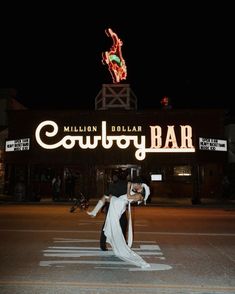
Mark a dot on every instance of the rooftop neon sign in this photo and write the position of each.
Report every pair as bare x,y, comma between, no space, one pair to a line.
113,58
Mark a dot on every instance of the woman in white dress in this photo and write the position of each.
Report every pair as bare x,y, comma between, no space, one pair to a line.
136,192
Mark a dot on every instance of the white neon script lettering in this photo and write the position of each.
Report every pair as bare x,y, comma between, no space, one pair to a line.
122,141
84,142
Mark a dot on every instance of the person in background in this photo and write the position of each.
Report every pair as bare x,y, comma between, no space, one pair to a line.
56,187
70,187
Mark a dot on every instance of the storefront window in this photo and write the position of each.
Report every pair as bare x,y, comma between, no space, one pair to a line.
182,171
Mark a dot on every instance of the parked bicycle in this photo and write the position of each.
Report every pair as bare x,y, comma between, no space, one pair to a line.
80,202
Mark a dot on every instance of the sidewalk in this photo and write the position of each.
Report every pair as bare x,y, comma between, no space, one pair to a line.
187,202
155,201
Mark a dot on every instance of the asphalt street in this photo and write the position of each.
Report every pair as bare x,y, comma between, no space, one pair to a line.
46,249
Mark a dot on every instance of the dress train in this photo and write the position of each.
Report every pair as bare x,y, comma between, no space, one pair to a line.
113,232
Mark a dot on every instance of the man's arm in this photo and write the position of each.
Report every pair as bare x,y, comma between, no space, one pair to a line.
128,189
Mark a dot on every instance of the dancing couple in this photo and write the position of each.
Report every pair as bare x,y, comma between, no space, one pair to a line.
137,192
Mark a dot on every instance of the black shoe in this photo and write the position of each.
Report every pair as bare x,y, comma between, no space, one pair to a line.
103,248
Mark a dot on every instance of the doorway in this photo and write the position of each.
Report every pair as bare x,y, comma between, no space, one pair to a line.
104,175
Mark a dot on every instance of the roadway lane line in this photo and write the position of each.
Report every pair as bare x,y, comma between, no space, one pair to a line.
123,286
136,232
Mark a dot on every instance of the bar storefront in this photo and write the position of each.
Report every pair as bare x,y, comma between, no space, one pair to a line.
84,148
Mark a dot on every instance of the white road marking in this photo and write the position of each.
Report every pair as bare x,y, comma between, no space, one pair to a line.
75,247
154,266
89,222
54,262
75,241
81,254
151,250
142,247
149,247
91,241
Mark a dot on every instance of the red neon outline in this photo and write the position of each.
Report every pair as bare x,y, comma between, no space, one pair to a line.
117,71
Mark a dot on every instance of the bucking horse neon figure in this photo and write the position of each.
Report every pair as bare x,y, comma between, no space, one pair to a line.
113,58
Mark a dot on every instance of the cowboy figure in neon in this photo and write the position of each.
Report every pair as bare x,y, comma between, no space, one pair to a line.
113,58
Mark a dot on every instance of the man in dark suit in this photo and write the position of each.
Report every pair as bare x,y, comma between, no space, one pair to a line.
116,188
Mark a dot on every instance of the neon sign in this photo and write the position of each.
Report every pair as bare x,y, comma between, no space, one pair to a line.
122,141
113,58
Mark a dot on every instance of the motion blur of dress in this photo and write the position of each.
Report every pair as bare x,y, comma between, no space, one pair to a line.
113,232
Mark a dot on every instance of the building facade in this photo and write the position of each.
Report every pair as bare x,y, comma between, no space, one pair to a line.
180,152
8,102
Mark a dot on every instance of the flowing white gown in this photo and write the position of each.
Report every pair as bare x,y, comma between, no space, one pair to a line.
113,232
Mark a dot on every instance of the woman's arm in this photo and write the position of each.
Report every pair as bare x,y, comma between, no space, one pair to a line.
106,198
135,197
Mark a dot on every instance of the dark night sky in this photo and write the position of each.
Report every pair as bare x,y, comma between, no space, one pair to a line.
52,56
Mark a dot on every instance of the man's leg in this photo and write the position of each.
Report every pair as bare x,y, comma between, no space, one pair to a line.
103,239
123,223
103,245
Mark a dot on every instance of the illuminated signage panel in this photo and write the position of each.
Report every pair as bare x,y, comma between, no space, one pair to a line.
17,145
212,144
156,177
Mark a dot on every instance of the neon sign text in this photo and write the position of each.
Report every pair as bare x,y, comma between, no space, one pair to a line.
122,141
